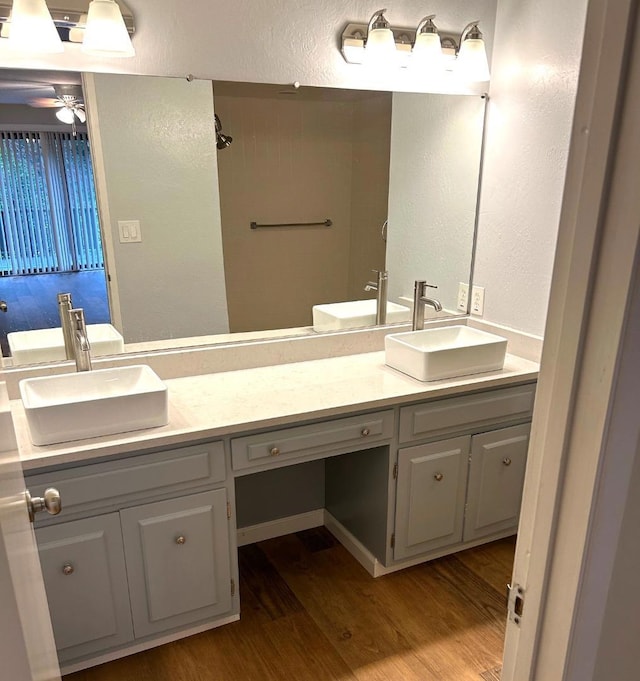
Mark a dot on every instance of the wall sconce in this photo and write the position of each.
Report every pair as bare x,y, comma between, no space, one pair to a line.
424,47
104,29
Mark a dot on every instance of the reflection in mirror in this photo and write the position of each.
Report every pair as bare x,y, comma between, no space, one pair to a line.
297,156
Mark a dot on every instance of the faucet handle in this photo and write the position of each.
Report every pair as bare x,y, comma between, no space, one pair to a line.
429,285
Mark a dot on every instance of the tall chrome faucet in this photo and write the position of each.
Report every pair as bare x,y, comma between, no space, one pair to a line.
420,300
81,347
380,285
64,306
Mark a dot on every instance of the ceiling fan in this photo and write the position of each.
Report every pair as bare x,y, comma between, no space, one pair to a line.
66,98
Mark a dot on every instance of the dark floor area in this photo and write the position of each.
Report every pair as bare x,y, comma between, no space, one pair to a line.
32,300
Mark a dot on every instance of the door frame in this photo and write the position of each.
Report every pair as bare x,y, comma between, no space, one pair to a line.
582,362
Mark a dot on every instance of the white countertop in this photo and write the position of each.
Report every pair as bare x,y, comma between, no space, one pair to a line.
214,405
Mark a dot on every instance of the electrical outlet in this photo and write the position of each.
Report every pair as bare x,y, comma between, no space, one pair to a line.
129,231
463,297
477,300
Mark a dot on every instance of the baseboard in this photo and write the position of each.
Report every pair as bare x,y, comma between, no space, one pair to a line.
145,645
358,550
280,527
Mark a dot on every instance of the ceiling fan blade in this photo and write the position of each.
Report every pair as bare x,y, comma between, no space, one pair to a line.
45,103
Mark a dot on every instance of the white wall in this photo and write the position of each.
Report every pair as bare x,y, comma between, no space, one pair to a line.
154,141
433,186
533,86
261,40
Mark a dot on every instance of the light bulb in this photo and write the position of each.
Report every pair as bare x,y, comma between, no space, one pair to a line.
472,61
65,115
106,34
32,28
380,49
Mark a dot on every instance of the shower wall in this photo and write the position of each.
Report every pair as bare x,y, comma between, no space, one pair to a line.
301,158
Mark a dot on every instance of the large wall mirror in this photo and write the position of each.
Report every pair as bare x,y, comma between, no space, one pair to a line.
228,210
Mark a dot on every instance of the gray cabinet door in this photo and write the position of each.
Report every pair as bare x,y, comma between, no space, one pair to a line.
431,489
496,478
178,561
86,583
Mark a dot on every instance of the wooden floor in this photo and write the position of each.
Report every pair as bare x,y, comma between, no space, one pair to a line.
311,612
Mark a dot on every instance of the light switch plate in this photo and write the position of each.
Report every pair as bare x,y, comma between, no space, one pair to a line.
129,231
477,300
463,296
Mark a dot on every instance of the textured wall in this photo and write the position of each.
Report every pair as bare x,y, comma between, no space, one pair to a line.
272,41
433,184
533,86
159,157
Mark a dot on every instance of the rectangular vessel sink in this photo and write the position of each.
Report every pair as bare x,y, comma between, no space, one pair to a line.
447,352
47,345
93,403
354,314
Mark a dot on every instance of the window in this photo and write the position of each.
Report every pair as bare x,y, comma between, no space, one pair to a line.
48,208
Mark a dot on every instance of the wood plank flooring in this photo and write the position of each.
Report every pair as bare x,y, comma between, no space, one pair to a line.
311,612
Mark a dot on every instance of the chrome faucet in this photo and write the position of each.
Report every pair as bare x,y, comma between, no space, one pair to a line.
420,300
64,306
81,347
380,285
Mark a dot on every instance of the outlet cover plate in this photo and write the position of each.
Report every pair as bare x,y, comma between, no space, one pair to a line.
463,297
477,301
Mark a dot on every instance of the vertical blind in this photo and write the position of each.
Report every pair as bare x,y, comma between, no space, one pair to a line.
48,208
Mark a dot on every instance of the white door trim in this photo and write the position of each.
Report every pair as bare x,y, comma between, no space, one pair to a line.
593,275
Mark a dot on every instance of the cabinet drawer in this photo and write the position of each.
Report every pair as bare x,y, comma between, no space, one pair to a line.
178,561
107,484
457,413
86,583
304,441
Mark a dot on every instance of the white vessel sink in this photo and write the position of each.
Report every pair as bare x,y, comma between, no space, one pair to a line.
93,403
354,314
47,345
450,351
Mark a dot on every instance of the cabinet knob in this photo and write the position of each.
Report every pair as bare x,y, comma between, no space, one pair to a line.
506,461
274,451
68,569
181,540
438,477
364,432
50,502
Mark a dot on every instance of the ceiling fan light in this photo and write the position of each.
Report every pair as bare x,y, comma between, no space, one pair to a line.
106,34
80,113
32,28
65,115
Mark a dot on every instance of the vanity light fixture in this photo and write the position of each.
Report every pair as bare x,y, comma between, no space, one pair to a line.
424,48
472,61
104,29
32,25
427,47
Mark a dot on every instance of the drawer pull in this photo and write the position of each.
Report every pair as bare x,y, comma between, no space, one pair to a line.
68,569
438,477
274,451
506,461
181,540
364,432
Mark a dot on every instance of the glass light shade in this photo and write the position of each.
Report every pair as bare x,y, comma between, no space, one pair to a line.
427,51
472,61
380,48
106,34
32,28
76,34
80,113
65,115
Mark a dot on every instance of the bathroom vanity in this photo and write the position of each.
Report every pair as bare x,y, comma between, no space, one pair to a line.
145,550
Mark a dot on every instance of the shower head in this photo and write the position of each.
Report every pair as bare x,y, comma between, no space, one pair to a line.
222,141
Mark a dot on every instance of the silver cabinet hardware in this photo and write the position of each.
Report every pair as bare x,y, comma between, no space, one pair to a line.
506,461
50,502
274,451
68,569
181,540
438,477
364,432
